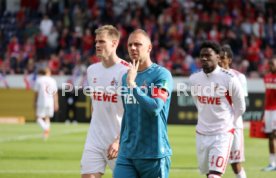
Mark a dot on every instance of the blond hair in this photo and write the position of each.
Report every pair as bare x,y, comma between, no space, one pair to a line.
110,29
44,71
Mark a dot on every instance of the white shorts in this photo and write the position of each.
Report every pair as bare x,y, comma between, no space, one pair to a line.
45,112
94,160
270,121
213,151
237,149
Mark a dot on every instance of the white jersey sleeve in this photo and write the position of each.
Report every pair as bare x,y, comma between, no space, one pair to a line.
237,95
243,83
242,79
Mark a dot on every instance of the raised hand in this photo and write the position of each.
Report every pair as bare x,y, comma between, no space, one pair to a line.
132,73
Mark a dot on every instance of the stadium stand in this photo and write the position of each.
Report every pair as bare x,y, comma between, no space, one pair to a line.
58,33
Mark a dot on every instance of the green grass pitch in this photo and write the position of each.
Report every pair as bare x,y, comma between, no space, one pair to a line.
23,153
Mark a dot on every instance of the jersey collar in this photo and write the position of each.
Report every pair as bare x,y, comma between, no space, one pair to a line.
217,69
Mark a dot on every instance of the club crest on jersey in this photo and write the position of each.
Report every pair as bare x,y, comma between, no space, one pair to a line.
216,86
94,80
144,85
114,82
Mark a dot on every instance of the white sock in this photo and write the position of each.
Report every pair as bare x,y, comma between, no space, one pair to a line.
213,176
48,125
272,159
42,123
241,174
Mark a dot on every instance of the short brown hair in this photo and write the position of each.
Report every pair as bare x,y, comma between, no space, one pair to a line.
44,71
143,32
110,29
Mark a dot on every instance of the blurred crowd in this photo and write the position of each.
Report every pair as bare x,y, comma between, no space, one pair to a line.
60,33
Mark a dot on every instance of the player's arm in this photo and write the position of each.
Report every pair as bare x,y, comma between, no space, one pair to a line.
244,85
56,105
192,89
154,103
159,93
35,99
36,88
237,94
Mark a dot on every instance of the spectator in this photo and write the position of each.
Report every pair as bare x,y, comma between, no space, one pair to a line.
46,25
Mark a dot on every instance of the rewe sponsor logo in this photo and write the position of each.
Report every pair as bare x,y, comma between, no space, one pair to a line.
209,100
107,97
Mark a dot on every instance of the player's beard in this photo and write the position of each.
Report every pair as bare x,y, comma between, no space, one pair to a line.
102,55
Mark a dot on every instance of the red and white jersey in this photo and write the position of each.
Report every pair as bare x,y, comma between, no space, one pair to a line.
270,91
219,100
243,83
46,87
107,104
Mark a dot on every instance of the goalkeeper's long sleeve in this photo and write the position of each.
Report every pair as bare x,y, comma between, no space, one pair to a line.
151,105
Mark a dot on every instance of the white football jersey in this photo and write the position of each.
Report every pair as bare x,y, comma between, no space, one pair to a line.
219,99
46,87
243,82
107,104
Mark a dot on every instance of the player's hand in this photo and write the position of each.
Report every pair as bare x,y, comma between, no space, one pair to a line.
132,73
112,151
262,117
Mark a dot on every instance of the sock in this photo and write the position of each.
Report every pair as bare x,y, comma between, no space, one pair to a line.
241,174
48,125
42,123
272,159
213,176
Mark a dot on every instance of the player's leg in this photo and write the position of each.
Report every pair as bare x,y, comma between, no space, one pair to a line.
49,112
270,128
125,168
238,170
92,163
202,148
41,122
148,168
47,129
219,154
40,114
237,154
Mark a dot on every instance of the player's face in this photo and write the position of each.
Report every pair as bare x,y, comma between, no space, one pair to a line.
272,66
139,47
104,46
209,59
224,61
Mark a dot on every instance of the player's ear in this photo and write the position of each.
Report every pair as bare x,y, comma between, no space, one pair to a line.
230,60
114,43
218,57
150,48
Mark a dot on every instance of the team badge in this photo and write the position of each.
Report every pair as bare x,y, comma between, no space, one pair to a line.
94,80
114,82
144,85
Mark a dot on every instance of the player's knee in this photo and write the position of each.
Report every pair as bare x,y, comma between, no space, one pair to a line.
272,135
214,176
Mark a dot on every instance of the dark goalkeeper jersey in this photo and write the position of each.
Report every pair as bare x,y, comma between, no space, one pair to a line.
144,126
